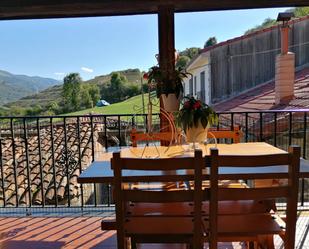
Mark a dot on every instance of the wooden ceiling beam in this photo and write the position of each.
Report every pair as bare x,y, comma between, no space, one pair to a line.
31,9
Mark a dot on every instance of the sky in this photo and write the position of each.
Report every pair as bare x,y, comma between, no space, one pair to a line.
96,46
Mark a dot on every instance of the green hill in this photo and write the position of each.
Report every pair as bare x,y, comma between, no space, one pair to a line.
133,76
130,106
53,94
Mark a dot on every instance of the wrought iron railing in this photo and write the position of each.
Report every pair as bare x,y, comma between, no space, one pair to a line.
41,157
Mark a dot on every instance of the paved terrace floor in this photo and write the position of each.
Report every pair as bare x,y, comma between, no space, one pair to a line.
84,233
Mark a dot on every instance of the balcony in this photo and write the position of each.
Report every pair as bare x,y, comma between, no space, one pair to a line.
41,158
84,232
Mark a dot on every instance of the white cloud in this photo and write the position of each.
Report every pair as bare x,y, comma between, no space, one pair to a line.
59,74
87,70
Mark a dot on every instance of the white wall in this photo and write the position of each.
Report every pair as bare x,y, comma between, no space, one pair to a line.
201,64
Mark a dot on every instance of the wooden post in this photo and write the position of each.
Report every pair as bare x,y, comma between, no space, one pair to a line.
166,48
166,40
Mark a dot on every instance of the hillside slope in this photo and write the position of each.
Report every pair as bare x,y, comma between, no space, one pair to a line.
132,105
53,94
132,75
13,86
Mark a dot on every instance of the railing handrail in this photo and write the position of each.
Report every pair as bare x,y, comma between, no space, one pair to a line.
141,114
76,116
264,111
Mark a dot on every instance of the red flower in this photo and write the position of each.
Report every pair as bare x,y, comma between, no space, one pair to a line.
186,105
197,105
145,76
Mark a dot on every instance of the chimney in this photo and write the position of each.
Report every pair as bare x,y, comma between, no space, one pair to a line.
285,64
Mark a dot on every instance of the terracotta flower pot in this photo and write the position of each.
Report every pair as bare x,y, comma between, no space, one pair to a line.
170,102
197,134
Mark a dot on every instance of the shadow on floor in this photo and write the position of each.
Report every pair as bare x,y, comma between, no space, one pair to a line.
13,244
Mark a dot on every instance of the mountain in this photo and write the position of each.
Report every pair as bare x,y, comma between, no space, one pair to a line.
14,87
53,93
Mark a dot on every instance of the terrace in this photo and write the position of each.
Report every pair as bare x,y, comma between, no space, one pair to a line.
43,205
41,156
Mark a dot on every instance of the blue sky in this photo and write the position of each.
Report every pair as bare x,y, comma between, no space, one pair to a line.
96,46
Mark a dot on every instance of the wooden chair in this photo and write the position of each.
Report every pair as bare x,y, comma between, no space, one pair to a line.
158,227
166,136
224,133
257,227
234,134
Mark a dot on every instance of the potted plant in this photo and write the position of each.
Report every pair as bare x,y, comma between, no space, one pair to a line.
169,88
194,118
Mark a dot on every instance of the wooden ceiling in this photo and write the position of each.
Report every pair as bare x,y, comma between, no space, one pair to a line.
30,9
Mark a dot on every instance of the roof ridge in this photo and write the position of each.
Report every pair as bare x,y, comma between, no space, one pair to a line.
245,36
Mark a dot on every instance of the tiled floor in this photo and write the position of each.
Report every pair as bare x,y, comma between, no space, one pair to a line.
84,232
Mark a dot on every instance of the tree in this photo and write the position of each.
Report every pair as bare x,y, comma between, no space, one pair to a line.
117,85
210,42
17,111
190,52
300,11
86,98
182,61
53,107
94,92
90,94
132,90
268,22
71,91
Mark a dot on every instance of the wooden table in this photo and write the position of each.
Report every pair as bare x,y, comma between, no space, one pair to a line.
101,172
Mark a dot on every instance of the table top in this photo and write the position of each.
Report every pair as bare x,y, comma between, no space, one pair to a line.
260,148
101,172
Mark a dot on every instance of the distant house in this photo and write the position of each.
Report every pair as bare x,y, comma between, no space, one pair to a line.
199,85
102,102
232,67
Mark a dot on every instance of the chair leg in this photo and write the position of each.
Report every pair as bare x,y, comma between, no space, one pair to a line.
121,242
251,245
133,243
190,246
266,241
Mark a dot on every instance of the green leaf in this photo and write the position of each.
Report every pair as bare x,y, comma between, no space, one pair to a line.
204,122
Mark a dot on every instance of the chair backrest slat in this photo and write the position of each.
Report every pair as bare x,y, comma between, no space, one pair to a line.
254,161
235,133
158,136
252,193
250,176
157,196
157,164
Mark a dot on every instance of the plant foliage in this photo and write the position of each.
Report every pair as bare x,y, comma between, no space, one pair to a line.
194,111
158,80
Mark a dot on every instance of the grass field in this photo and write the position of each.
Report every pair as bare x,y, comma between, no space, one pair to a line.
130,106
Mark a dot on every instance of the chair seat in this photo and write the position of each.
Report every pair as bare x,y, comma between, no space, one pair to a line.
247,225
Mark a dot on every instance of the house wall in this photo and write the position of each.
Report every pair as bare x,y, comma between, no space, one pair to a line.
249,61
199,72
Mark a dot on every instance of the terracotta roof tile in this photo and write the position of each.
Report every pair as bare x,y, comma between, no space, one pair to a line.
263,97
46,163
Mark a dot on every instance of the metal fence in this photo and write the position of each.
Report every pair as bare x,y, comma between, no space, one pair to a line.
41,157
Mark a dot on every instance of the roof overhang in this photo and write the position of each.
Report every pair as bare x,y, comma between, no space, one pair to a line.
31,9
198,62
